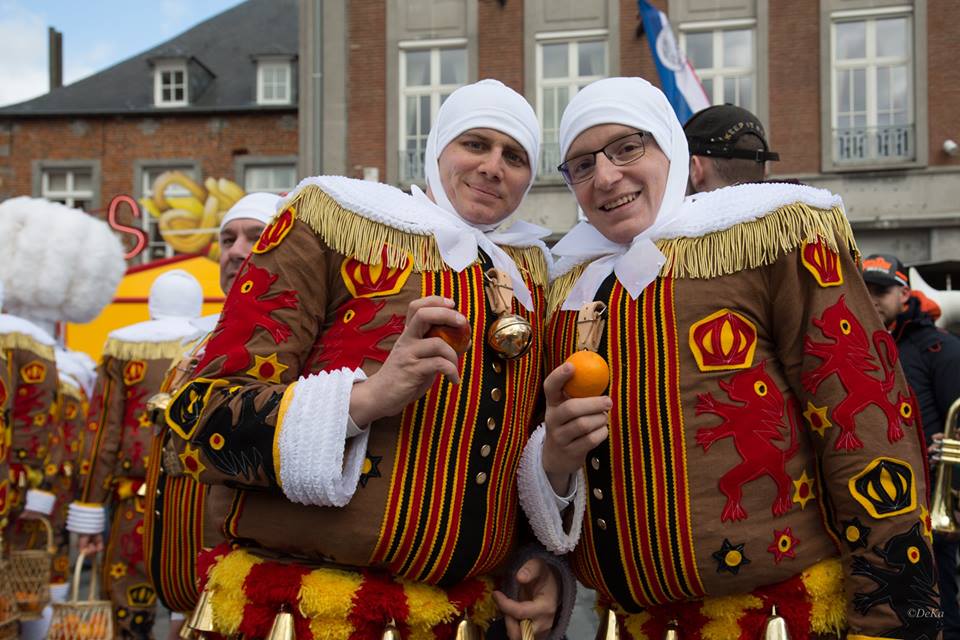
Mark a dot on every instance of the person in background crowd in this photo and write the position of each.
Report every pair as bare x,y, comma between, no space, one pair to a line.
49,276
117,446
176,523
930,359
728,146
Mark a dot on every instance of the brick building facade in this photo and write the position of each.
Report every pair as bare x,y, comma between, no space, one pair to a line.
860,96
218,100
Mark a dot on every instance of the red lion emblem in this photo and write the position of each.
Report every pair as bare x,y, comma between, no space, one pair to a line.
754,423
246,309
847,354
347,344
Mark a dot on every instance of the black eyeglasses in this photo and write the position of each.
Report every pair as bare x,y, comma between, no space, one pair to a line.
620,152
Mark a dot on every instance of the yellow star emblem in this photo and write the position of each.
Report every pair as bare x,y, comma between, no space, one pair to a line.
803,490
191,462
39,419
118,570
926,523
144,420
816,417
267,369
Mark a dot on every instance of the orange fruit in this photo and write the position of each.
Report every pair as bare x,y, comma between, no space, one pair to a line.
591,375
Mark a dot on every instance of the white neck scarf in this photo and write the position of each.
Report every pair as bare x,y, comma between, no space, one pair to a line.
459,240
632,102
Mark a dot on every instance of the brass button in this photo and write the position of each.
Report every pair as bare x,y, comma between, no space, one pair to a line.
598,493
497,366
491,424
481,477
602,523
496,394
485,450
595,463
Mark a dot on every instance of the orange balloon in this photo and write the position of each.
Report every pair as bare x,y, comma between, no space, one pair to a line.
591,375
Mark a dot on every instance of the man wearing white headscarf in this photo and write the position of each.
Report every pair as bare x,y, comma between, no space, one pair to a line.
755,461
181,515
116,446
372,461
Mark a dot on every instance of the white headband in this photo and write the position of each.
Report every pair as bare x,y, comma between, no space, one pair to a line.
633,102
253,206
488,104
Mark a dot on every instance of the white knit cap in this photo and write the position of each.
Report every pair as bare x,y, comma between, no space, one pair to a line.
175,294
488,104
633,102
253,206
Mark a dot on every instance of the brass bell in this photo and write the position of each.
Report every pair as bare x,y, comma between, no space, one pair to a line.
608,627
282,628
202,618
510,336
467,630
186,633
776,627
672,632
390,632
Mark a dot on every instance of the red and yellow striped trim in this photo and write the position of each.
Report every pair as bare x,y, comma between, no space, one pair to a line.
332,604
646,459
812,602
421,533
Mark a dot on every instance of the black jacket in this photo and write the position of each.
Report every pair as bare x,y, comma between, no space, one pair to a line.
931,361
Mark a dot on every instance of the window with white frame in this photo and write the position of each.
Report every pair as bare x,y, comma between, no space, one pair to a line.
156,247
273,82
427,77
565,64
271,178
724,59
70,186
170,84
872,89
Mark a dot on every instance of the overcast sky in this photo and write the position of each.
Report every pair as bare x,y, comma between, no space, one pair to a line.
96,34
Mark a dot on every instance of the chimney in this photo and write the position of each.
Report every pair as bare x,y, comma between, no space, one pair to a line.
55,56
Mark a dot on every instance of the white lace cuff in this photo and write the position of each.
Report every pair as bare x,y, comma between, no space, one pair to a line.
539,501
86,518
40,501
316,463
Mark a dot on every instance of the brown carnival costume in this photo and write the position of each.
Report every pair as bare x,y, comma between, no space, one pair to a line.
117,443
763,426
425,500
763,447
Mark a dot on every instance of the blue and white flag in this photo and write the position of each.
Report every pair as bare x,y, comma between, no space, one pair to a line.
677,78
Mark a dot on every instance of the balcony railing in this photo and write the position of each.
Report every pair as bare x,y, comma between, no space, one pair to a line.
411,165
549,159
874,144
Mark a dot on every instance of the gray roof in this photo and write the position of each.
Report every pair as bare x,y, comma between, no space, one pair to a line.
220,51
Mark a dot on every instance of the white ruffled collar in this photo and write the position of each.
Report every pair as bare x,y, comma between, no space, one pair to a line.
636,265
16,324
457,240
163,330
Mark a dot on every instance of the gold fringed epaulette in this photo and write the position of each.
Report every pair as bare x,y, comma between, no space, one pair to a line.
530,260
757,243
352,235
122,350
71,390
22,341
560,288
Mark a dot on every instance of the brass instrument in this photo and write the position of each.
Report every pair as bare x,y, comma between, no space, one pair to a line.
943,503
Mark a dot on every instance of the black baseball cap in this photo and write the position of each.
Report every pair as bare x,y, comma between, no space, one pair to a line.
715,130
884,269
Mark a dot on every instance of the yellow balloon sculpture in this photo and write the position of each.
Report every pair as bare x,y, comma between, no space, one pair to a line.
190,223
